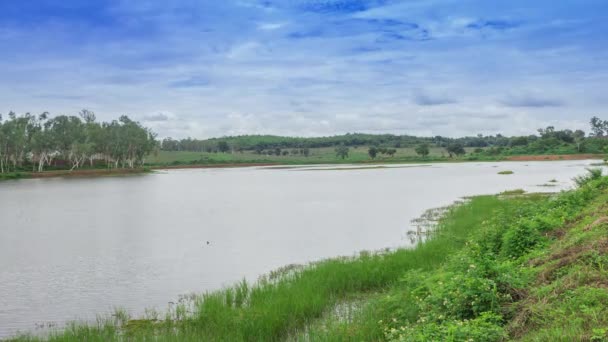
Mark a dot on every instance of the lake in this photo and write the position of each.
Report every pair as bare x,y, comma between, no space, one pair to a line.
74,248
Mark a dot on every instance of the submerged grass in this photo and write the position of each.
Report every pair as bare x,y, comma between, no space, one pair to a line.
538,273
513,192
277,307
495,268
13,175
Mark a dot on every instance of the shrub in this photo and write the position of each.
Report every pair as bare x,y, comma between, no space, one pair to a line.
592,174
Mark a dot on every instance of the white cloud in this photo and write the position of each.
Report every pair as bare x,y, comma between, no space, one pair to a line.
270,26
216,68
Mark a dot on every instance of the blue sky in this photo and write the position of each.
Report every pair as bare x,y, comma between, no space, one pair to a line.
310,67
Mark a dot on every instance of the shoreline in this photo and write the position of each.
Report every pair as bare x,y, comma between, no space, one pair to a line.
358,282
151,168
556,157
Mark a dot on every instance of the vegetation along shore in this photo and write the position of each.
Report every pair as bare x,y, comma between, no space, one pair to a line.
33,144
514,266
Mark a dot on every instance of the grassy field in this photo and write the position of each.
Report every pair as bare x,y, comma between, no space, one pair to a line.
317,156
512,266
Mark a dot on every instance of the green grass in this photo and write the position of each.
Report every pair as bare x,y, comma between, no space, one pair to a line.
513,192
538,273
13,175
325,155
528,267
278,307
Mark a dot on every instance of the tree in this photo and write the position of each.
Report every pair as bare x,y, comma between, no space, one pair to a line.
223,146
305,151
599,127
391,152
342,151
87,115
372,152
455,149
422,150
579,137
37,141
519,141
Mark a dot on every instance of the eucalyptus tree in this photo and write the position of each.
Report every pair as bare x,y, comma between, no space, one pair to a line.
14,140
41,142
2,144
38,140
69,138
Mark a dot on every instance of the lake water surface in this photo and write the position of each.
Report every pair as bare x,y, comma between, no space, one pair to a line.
74,248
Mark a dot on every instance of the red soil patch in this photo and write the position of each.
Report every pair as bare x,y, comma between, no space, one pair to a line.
556,157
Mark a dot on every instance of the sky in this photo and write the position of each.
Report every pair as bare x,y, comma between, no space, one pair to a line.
310,67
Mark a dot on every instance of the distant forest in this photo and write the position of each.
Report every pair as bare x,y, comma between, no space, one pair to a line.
548,139
39,142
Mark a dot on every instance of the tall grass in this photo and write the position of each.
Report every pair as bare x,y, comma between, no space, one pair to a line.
277,307
591,175
536,271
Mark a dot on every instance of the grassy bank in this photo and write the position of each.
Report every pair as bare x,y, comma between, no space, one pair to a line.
73,173
328,156
323,155
535,274
498,267
14,175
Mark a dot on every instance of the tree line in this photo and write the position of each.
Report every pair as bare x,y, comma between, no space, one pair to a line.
546,140
67,141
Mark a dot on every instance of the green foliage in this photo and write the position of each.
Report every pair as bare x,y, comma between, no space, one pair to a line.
485,327
549,141
422,150
342,152
489,263
513,192
599,128
592,175
223,146
520,238
473,295
455,149
70,141
286,302
372,152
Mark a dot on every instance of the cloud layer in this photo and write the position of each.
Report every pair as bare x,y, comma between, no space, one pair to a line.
309,67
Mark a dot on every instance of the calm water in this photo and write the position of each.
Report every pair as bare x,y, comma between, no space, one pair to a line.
73,248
